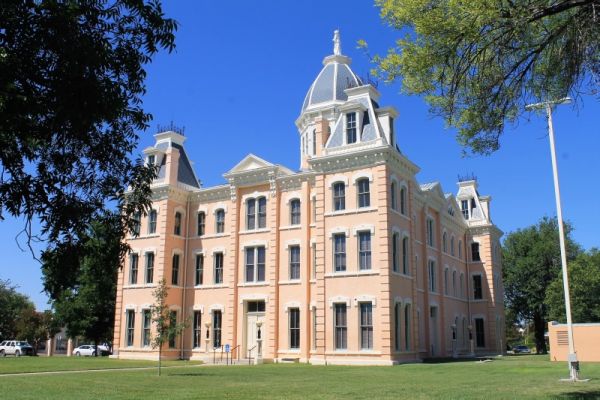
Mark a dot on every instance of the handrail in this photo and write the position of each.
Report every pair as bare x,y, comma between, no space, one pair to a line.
215,354
237,352
250,354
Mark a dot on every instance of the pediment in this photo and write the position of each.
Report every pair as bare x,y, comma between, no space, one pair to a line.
249,163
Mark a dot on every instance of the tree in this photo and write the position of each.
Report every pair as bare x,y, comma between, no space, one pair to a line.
81,280
478,63
166,326
531,262
71,80
36,327
584,288
12,305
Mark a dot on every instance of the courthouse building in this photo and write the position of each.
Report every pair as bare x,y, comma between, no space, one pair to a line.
348,260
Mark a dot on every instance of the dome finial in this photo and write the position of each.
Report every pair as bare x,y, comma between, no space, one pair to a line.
337,44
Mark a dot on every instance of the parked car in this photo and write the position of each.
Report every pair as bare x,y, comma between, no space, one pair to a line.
90,350
15,347
521,349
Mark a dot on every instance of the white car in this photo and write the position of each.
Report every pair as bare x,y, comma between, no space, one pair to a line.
90,350
16,348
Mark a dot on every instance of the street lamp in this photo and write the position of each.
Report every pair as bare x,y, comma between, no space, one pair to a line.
547,105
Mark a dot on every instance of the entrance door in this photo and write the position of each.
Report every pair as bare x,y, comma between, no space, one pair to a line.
255,314
433,329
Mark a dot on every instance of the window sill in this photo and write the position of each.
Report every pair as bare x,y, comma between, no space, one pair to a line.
351,273
213,286
290,227
251,284
214,235
350,211
290,282
406,217
289,351
250,231
144,286
402,275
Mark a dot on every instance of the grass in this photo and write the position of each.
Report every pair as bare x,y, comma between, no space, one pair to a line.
521,377
12,365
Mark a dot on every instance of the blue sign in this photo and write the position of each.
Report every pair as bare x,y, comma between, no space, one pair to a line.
226,348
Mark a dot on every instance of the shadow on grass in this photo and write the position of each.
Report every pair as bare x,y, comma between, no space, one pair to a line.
579,395
447,360
197,373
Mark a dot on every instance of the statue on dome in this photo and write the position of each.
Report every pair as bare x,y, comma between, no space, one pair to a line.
337,45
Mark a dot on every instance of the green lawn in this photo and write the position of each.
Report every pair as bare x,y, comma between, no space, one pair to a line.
522,377
11,365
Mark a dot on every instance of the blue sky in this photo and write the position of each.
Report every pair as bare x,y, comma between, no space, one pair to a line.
237,80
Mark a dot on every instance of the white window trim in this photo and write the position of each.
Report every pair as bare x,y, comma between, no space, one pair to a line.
292,242
363,228
339,300
254,297
220,206
217,307
360,175
293,196
254,243
365,298
254,195
335,179
219,249
292,304
339,229
198,307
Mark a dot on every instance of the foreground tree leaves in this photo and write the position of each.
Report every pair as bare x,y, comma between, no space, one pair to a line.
71,80
478,63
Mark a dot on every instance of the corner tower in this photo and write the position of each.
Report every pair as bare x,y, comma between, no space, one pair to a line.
340,112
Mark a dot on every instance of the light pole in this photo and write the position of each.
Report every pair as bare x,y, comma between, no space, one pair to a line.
547,105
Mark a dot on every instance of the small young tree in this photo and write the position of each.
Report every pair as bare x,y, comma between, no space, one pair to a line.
167,327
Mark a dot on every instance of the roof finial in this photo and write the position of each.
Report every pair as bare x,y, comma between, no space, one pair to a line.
337,44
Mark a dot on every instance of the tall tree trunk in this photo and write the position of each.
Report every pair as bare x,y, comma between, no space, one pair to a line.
539,327
159,357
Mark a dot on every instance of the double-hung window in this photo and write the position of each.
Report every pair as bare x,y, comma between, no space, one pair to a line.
395,252
339,252
477,287
430,237
403,200
480,332
146,323
175,270
432,276
294,262
199,273
220,221
475,252
218,264
149,267
294,316
340,326
262,212
364,197
177,226
366,326
250,214
295,212
137,223
364,250
255,264
201,223
133,269
197,334
130,327
172,323
217,319
351,128
339,196
393,200
152,222
405,266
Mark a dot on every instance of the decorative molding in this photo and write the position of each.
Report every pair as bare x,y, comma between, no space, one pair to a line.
365,298
339,299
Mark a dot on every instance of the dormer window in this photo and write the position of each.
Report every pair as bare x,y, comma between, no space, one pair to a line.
177,227
351,128
464,207
151,160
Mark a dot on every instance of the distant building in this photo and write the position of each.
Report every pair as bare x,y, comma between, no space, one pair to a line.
585,338
348,261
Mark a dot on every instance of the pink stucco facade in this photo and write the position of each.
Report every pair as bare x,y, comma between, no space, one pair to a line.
348,260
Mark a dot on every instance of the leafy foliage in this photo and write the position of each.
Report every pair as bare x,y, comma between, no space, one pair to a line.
166,328
71,80
478,63
81,279
531,262
36,327
12,305
584,288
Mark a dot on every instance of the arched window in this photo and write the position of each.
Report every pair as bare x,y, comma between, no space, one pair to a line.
251,214
262,212
295,212
405,267
201,223
339,196
407,325
395,252
137,223
152,221
314,142
454,283
460,249
445,242
393,200
403,207
220,221
177,228
364,197
452,245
